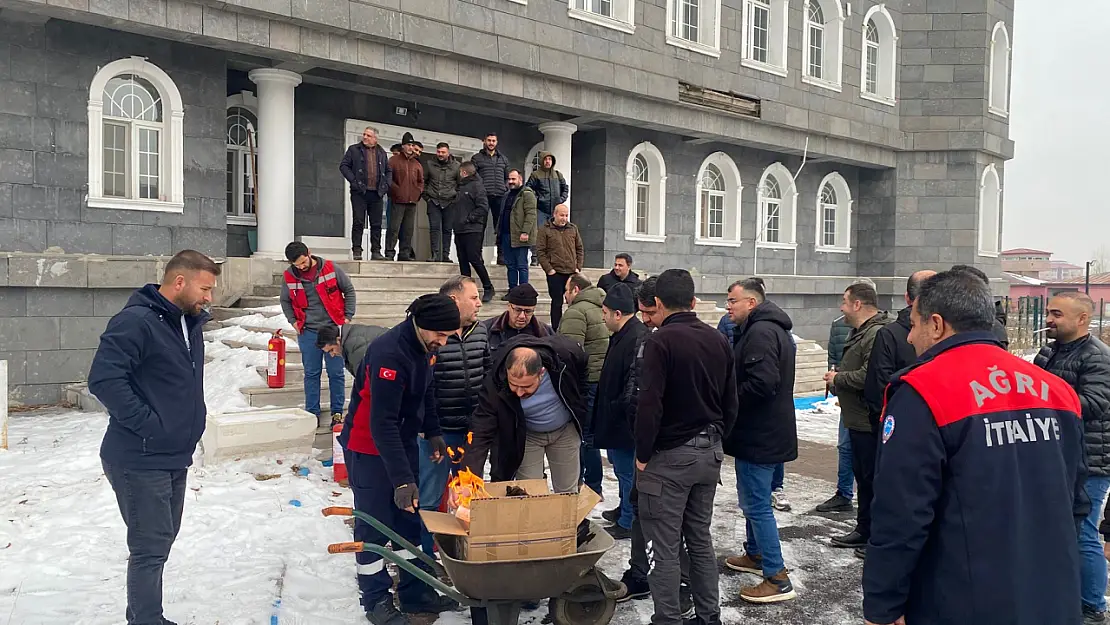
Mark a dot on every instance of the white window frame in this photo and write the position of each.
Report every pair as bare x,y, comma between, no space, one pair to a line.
529,165
888,57
788,209
990,212
709,27
622,18
732,205
245,100
778,20
832,45
170,142
657,195
998,88
843,244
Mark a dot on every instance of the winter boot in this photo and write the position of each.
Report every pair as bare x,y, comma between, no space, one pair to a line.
634,588
429,602
745,564
385,613
772,590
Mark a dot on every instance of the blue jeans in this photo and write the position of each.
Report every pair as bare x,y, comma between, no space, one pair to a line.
1092,561
779,476
624,466
591,456
433,480
516,264
844,476
753,485
314,360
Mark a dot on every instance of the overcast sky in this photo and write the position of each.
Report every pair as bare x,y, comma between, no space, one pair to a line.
1056,187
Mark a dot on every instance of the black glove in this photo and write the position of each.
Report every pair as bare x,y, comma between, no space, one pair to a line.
405,496
438,446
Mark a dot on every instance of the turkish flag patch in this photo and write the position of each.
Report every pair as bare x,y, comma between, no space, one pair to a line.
387,374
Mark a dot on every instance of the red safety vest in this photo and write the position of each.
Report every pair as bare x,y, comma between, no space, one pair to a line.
327,287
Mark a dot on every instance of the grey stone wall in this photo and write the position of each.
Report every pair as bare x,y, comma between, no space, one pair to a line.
44,91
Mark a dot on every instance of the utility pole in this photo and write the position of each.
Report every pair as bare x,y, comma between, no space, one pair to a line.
1087,280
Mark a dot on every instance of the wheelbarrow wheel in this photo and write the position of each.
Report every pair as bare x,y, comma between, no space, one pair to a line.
566,611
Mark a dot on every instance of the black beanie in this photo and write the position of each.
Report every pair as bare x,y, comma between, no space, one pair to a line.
523,295
406,139
619,297
435,312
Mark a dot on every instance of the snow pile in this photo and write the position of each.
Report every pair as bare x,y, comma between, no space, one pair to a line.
820,423
230,370
266,310
259,320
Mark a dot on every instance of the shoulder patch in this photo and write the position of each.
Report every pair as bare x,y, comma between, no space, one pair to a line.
387,374
888,428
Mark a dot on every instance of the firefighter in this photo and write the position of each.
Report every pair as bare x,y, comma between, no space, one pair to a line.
392,404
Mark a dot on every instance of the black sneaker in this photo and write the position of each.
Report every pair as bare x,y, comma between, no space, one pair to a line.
431,602
634,588
686,603
611,515
861,552
838,503
356,253
1090,617
618,532
377,256
385,613
851,541
697,620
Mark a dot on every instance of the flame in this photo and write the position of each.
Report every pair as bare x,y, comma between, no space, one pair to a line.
464,487
470,438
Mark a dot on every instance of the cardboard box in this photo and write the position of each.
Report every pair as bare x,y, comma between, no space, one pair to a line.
503,528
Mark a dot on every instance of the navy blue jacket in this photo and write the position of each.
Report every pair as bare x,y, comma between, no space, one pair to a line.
393,401
151,384
727,327
978,492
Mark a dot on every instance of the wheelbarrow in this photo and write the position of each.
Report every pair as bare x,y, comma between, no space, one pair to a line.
579,593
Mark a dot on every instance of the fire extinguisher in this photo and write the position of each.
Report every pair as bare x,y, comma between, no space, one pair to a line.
275,368
338,463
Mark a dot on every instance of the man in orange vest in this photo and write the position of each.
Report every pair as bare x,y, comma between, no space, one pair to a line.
316,293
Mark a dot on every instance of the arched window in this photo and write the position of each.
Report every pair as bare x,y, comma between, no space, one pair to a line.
532,162
990,211
834,215
764,35
718,191
824,37
645,195
778,201
999,89
242,152
135,138
880,44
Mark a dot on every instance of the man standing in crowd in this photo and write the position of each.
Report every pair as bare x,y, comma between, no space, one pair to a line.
765,435
393,403
841,501
1083,361
316,293
470,213
861,311
441,185
997,327
584,324
621,273
356,340
551,190
405,191
561,253
532,405
365,165
149,374
979,486
493,169
519,318
687,402
611,417
517,232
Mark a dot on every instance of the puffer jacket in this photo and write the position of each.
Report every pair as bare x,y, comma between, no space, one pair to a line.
441,181
355,341
838,336
583,324
460,367
1085,365
850,382
493,170
550,187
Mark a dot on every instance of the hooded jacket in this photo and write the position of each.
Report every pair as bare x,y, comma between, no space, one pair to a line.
549,186
610,279
560,248
499,419
442,181
613,413
355,340
151,380
471,207
1085,365
521,218
582,323
765,431
460,367
891,353
493,170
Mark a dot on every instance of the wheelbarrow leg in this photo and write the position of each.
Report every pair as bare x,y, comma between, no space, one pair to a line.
501,613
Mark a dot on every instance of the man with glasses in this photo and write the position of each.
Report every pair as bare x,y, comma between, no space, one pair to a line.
520,318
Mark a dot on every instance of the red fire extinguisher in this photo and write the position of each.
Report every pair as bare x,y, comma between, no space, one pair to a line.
338,463
275,368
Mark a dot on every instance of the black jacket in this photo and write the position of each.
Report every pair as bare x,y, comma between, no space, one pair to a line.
356,339
612,417
632,386
1085,365
353,168
1000,334
891,353
460,367
499,420
766,430
471,207
500,331
607,281
493,170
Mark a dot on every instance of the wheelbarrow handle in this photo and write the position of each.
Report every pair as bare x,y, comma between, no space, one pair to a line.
353,547
395,557
396,539
337,511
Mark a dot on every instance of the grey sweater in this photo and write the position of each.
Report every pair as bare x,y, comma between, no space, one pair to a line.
316,316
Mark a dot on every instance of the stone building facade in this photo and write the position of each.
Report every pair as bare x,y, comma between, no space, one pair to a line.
808,141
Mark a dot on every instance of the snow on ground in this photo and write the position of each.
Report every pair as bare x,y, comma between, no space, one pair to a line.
819,423
231,369
248,337
259,320
266,310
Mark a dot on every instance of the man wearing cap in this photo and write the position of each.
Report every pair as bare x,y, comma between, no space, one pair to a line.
392,403
520,318
405,190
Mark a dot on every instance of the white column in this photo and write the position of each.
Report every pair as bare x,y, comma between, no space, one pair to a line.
557,139
275,159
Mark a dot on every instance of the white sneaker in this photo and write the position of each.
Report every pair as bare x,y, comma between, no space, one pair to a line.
779,501
323,424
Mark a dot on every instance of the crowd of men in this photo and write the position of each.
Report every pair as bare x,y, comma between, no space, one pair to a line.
981,476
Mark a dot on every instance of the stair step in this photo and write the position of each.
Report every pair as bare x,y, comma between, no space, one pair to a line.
292,395
294,373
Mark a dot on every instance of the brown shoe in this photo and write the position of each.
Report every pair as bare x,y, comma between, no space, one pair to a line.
772,590
745,564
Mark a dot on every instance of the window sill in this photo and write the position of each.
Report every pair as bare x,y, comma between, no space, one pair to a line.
524,2
998,112
988,254
718,242
878,98
601,20
646,238
136,205
822,83
242,220
765,67
777,246
694,46
833,250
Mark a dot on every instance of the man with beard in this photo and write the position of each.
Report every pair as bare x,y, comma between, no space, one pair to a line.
149,373
621,274
392,403
404,191
517,229
441,186
493,169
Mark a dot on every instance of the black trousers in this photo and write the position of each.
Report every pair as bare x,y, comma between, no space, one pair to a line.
366,207
468,246
864,455
439,230
556,287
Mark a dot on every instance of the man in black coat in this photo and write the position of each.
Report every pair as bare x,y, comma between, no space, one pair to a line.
519,318
470,211
765,434
1083,361
365,166
999,328
621,274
